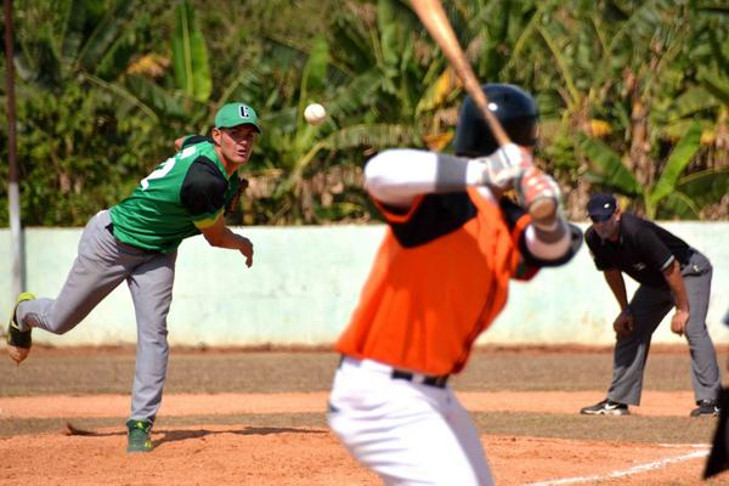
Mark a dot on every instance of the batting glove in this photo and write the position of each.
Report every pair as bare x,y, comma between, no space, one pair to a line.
504,166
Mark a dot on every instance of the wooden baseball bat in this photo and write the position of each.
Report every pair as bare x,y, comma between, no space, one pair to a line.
434,18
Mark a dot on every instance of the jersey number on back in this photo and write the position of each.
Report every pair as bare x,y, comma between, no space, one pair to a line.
164,168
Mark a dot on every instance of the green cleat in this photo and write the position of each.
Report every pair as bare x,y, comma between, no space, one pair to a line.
19,342
139,436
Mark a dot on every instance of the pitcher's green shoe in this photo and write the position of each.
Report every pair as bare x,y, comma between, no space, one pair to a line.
139,436
19,342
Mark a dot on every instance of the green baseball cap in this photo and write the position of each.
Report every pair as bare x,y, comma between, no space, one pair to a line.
234,114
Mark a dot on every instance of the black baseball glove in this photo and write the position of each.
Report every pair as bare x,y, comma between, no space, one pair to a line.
233,203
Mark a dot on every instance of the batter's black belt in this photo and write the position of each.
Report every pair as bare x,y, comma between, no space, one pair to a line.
437,381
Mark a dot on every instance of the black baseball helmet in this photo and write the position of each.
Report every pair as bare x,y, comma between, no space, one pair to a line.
514,108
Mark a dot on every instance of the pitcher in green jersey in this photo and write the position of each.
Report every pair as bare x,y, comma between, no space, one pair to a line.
137,241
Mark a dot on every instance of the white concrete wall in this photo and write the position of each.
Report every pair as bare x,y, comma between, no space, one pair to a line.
305,281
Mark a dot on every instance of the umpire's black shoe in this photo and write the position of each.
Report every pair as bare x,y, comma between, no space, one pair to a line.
706,408
606,407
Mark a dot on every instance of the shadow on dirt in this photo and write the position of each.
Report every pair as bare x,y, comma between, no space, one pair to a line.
179,435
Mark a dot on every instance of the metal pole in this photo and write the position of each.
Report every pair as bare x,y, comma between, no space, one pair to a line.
16,231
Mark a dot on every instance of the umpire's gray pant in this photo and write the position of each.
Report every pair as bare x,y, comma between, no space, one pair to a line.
102,264
649,306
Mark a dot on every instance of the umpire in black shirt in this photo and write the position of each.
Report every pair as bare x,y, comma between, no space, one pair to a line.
670,274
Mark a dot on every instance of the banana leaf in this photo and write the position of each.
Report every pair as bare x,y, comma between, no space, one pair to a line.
161,102
377,136
716,84
390,37
73,31
106,33
190,56
315,71
705,187
677,205
676,164
693,100
608,165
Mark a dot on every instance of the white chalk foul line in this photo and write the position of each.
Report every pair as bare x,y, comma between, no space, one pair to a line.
627,472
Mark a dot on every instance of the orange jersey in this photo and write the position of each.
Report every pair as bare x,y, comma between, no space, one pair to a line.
439,279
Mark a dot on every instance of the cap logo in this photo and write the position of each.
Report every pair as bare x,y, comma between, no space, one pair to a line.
244,111
607,206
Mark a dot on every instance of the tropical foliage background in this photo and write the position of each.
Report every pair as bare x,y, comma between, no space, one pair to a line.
634,97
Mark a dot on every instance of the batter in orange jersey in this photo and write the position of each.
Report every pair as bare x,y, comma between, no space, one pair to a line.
439,279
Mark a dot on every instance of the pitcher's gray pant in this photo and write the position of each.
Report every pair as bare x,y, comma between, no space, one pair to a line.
649,306
102,264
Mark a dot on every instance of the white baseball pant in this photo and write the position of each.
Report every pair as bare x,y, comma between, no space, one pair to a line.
407,432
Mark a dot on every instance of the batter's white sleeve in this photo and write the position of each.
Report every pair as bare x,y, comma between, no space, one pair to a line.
397,176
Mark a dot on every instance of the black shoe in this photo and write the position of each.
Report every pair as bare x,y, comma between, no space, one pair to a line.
606,407
706,408
19,342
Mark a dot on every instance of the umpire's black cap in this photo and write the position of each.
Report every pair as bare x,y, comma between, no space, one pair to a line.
601,207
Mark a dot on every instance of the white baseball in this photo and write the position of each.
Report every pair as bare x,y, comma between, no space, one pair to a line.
315,113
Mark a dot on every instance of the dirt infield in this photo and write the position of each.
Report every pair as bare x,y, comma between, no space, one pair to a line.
311,456
57,427
667,404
